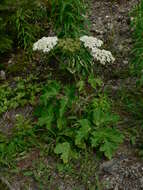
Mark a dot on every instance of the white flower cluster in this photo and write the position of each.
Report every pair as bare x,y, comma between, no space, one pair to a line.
45,44
93,44
103,56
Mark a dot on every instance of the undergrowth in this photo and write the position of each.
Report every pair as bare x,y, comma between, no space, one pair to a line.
68,17
21,23
20,93
137,27
76,120
133,100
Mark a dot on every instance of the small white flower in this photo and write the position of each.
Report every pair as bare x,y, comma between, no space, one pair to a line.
93,44
45,44
103,56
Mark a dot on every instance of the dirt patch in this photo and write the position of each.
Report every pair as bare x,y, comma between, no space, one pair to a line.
111,23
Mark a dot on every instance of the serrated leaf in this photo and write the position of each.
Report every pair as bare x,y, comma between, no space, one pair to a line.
64,149
108,139
100,118
82,133
46,117
108,148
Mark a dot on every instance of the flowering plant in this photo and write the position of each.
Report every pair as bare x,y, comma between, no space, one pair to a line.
46,44
103,56
75,55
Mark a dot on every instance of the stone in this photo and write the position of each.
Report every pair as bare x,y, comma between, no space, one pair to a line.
2,75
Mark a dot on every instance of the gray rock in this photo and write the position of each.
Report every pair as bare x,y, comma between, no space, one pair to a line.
2,75
141,182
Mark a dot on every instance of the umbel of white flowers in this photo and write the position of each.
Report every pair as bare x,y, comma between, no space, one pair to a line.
46,44
100,55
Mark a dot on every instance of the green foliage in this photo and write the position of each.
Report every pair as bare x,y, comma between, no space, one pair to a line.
133,99
68,17
107,139
5,41
83,133
130,102
53,106
71,118
25,30
137,26
21,140
20,23
65,150
23,92
101,112
73,57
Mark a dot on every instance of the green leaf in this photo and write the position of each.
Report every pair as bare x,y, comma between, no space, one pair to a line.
61,120
65,150
47,117
81,85
94,82
108,139
61,123
28,173
101,118
82,133
63,104
51,91
108,148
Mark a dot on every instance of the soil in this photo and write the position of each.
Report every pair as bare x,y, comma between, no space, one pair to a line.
111,23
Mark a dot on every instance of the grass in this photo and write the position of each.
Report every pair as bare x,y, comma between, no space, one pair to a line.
68,17
137,27
49,173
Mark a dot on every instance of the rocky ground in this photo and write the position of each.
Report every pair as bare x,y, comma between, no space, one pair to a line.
111,22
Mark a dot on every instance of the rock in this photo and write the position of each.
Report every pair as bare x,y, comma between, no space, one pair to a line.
125,174
107,166
2,75
141,182
125,62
